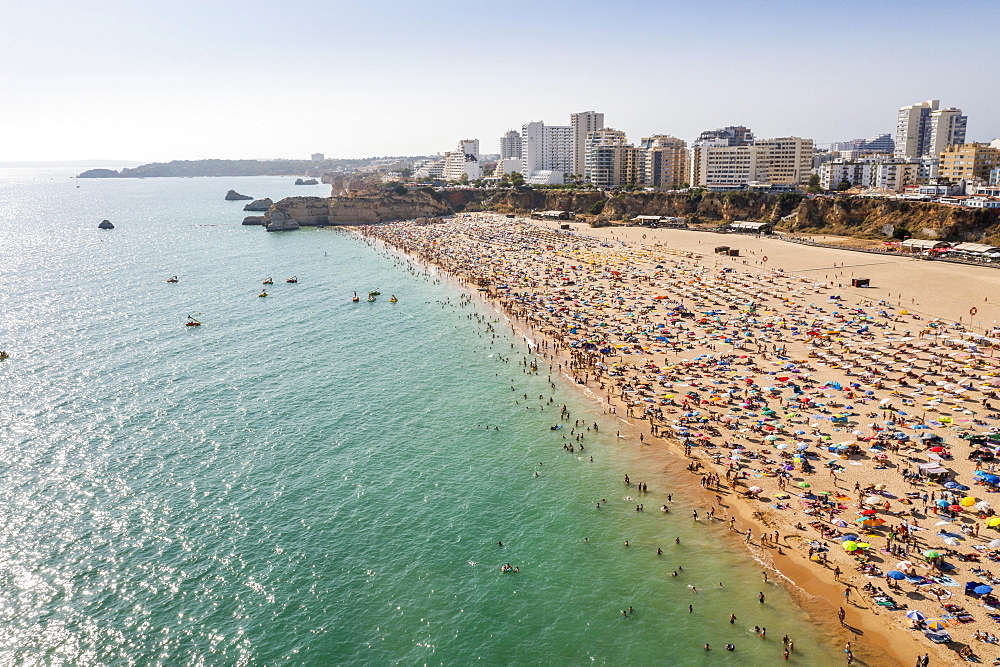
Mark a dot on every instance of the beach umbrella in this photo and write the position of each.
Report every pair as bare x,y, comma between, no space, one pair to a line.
994,544
937,624
967,501
873,500
848,537
994,522
904,565
955,508
804,485
915,615
840,523
982,505
895,575
982,589
871,521
850,545
869,512
931,553
755,489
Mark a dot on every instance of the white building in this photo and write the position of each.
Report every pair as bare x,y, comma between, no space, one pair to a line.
583,123
889,174
923,129
546,148
463,161
609,158
781,161
510,145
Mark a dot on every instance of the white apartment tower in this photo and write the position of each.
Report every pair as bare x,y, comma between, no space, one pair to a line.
510,145
924,130
583,123
463,161
546,152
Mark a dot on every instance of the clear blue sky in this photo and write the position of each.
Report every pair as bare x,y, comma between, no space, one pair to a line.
175,79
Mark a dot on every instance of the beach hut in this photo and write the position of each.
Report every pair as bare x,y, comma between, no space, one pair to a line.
922,245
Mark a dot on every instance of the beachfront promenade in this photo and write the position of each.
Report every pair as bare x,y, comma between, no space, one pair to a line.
848,431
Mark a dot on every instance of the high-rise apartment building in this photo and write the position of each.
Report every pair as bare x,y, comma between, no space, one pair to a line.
583,123
662,162
968,161
510,145
463,161
610,159
784,161
733,135
546,152
923,129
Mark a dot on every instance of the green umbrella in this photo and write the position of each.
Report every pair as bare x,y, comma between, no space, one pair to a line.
804,485
850,545
931,553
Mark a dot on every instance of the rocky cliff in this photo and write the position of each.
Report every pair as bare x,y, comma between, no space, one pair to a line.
358,209
851,216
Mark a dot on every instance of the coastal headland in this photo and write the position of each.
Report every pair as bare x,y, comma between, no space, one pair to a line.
844,435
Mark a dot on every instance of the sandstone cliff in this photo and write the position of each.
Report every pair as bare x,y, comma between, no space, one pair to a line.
358,209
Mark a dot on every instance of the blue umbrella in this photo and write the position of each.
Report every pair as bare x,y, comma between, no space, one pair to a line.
848,538
943,503
915,615
982,589
895,575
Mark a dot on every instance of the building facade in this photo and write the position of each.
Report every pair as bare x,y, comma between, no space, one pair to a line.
510,145
732,135
662,162
610,159
880,143
923,129
969,162
583,123
547,148
781,161
463,161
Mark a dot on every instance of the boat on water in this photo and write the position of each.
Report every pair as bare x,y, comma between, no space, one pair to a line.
355,298
393,299
268,281
293,279
4,355
172,279
263,293
374,292
370,298
192,322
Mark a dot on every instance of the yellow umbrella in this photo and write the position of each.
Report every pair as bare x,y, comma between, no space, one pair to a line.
994,522
967,501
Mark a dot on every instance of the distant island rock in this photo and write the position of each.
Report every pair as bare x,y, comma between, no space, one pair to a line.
258,205
233,195
100,173
105,224
309,181
253,220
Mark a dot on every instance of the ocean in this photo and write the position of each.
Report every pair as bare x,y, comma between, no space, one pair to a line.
304,480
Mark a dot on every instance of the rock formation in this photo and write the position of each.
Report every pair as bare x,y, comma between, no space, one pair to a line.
253,220
279,222
99,173
308,181
105,224
233,195
360,209
258,204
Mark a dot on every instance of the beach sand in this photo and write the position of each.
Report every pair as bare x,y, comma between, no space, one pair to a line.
745,371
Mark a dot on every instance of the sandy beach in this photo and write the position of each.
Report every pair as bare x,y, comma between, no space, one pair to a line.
844,435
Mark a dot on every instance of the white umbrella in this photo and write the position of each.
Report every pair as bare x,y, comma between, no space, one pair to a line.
873,500
982,505
903,566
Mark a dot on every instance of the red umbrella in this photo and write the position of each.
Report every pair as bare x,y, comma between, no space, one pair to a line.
955,508
869,512
937,449
783,379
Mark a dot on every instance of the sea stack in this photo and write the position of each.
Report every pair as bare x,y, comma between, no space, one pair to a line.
233,195
105,224
259,205
279,222
308,181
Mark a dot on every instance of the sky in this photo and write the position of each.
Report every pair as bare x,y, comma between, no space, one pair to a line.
145,80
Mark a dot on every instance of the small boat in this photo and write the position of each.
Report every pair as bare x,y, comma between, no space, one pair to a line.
355,299
4,355
370,298
268,281
393,299
192,322
374,293
263,293
172,279
293,279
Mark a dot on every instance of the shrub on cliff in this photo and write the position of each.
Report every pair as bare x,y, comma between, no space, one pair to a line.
597,207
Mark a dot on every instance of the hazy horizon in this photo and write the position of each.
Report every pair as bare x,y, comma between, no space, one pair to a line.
186,80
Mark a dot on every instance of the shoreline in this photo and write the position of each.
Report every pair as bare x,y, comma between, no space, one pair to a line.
809,591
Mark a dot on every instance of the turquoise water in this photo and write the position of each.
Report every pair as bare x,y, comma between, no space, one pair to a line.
305,480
